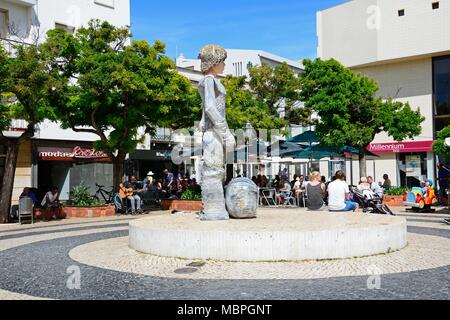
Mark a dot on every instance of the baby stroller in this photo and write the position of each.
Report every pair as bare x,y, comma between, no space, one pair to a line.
369,202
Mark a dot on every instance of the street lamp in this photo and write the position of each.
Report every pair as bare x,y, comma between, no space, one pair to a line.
249,136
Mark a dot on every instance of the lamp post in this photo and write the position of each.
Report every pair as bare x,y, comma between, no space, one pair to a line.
249,130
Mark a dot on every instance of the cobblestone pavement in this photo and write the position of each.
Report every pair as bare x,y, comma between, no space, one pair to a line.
40,262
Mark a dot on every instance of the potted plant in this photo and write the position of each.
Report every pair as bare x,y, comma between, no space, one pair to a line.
83,205
190,200
394,196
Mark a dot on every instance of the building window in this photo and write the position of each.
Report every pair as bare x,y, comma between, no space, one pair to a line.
4,22
401,12
435,5
441,88
65,28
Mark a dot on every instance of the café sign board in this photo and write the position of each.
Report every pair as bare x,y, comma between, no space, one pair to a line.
71,154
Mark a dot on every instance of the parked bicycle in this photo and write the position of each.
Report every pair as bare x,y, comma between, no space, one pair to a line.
106,196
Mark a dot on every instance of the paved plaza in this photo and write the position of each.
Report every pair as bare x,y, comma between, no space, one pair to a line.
90,259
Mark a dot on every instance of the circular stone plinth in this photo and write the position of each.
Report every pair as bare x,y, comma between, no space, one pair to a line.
277,235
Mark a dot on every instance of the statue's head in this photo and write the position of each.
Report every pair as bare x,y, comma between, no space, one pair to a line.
213,59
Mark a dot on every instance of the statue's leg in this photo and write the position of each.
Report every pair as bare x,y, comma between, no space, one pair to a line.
213,174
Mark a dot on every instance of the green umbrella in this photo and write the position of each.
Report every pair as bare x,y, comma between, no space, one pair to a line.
305,137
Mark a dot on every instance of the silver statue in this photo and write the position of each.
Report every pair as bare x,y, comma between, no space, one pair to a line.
217,138
242,198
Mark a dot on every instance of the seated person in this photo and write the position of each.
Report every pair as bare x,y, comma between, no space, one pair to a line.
127,192
375,187
315,190
387,184
284,192
339,195
299,188
25,193
364,185
51,199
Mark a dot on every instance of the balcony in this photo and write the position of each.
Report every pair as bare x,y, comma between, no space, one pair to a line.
27,3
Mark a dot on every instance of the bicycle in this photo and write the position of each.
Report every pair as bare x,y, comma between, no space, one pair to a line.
107,196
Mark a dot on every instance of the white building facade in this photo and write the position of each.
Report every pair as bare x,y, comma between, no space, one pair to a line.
51,157
405,46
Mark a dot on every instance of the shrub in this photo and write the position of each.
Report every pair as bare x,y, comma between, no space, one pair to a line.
396,191
80,197
191,195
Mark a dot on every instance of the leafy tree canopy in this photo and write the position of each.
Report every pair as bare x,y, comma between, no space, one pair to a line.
439,145
279,87
119,87
350,111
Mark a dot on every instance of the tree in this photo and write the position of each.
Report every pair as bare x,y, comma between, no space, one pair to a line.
350,111
439,145
26,87
119,88
279,88
244,106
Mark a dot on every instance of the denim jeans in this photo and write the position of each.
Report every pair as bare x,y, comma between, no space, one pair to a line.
135,203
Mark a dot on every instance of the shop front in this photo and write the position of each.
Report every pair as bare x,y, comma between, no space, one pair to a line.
406,163
67,165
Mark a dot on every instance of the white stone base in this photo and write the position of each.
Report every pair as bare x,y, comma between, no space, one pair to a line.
277,235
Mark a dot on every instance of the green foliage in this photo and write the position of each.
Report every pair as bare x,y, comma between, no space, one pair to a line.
243,106
350,112
396,191
439,145
120,87
80,197
275,86
191,195
28,84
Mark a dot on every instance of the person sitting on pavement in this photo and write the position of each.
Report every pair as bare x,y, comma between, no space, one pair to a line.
51,199
315,190
339,195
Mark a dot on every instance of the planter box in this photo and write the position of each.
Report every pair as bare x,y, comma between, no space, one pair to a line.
182,205
90,212
393,201
48,214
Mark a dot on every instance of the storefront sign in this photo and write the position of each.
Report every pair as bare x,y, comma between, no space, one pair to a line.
401,147
71,154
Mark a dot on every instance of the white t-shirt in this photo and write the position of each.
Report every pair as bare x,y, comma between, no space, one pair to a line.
51,197
337,191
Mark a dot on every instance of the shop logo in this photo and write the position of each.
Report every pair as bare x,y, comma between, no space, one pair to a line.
395,147
76,153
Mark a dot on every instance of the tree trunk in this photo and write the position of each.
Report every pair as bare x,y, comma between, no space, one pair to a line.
118,169
362,164
12,152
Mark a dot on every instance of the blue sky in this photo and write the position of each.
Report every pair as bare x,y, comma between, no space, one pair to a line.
283,27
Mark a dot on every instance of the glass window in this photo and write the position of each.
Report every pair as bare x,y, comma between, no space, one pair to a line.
413,168
3,22
441,74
